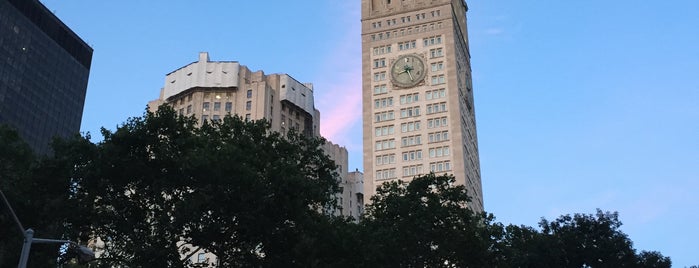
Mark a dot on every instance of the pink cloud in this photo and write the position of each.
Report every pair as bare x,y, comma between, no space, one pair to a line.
341,106
339,95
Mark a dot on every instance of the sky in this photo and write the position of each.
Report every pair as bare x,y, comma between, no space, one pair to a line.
579,104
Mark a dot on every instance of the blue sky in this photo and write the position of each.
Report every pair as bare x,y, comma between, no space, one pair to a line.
580,104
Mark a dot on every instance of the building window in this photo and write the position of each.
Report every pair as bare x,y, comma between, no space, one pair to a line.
205,106
378,63
437,66
436,52
407,45
385,159
380,89
248,105
181,111
383,102
410,112
385,144
384,131
412,156
382,50
436,108
433,40
438,136
439,151
409,98
440,166
412,170
247,117
385,174
437,122
249,94
411,141
216,117
379,76
189,109
229,107
384,116
410,126
201,258
204,118
435,94
217,106
438,79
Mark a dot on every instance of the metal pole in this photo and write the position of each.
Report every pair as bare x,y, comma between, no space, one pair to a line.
28,237
12,211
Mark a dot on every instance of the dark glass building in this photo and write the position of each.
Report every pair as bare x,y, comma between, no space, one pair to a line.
44,68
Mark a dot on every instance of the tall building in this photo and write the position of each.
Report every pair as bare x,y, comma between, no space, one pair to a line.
350,199
417,95
44,68
210,90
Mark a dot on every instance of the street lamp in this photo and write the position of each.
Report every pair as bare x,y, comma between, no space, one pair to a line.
82,253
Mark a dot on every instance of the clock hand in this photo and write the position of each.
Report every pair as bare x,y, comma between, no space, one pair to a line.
409,74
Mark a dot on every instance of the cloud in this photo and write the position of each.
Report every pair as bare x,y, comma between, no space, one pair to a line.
340,98
341,106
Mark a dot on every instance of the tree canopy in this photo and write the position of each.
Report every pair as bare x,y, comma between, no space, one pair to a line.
161,187
232,187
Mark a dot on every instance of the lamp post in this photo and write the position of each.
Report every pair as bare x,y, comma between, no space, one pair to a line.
84,254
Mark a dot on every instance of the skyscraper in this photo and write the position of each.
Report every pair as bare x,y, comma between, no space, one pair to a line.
418,109
44,68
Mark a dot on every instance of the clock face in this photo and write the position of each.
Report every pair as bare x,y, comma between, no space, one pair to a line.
408,70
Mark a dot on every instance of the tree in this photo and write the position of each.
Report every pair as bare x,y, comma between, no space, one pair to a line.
425,223
653,259
39,197
16,158
581,240
161,186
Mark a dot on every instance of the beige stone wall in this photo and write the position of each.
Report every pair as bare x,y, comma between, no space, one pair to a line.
351,183
441,137
205,90
354,193
209,90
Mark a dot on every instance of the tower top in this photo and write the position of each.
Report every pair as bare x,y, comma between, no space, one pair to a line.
203,56
378,8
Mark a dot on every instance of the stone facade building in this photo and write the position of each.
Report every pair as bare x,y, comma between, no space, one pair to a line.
418,108
210,90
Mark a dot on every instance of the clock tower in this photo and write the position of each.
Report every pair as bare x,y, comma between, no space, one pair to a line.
417,96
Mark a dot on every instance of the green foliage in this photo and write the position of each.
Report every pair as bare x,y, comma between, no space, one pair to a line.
654,259
580,240
38,195
161,186
425,223
233,188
